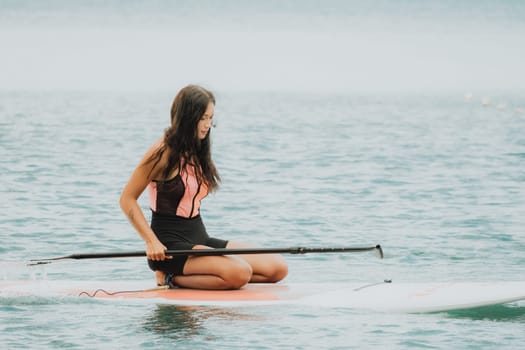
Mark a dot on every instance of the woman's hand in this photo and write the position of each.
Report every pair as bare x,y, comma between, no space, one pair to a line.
156,251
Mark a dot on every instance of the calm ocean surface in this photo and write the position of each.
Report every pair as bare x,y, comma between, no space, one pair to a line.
436,176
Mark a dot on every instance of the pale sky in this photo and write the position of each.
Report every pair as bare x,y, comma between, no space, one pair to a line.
340,53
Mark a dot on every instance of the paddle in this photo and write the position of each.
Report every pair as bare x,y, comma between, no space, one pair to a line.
217,251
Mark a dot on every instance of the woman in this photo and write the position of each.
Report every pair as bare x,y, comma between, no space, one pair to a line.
179,172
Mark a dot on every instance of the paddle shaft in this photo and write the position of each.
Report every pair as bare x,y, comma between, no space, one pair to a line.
220,251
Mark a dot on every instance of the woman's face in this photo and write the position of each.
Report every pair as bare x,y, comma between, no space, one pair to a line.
206,121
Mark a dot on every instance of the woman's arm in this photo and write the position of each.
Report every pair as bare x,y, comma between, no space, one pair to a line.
137,183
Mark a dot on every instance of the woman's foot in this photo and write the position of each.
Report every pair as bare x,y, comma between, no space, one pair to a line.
160,276
164,279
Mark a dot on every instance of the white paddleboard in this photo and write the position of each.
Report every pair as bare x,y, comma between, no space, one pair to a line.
384,297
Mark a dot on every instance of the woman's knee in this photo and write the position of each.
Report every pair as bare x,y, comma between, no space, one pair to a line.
237,275
279,271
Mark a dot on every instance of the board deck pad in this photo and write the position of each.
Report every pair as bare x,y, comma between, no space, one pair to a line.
382,296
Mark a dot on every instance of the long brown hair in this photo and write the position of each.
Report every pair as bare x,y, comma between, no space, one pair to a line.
181,140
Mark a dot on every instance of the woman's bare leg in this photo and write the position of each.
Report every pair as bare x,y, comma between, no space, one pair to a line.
266,268
214,272
211,272
229,272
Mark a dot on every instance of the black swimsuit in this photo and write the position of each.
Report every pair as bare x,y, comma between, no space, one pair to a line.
176,220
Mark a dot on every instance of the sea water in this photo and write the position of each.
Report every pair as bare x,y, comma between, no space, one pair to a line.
318,144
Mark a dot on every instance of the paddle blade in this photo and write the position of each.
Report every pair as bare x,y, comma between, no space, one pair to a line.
379,251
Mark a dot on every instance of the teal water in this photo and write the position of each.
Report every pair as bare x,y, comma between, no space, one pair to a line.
318,144
438,181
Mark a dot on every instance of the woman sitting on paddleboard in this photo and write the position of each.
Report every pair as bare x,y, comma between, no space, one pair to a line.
179,173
